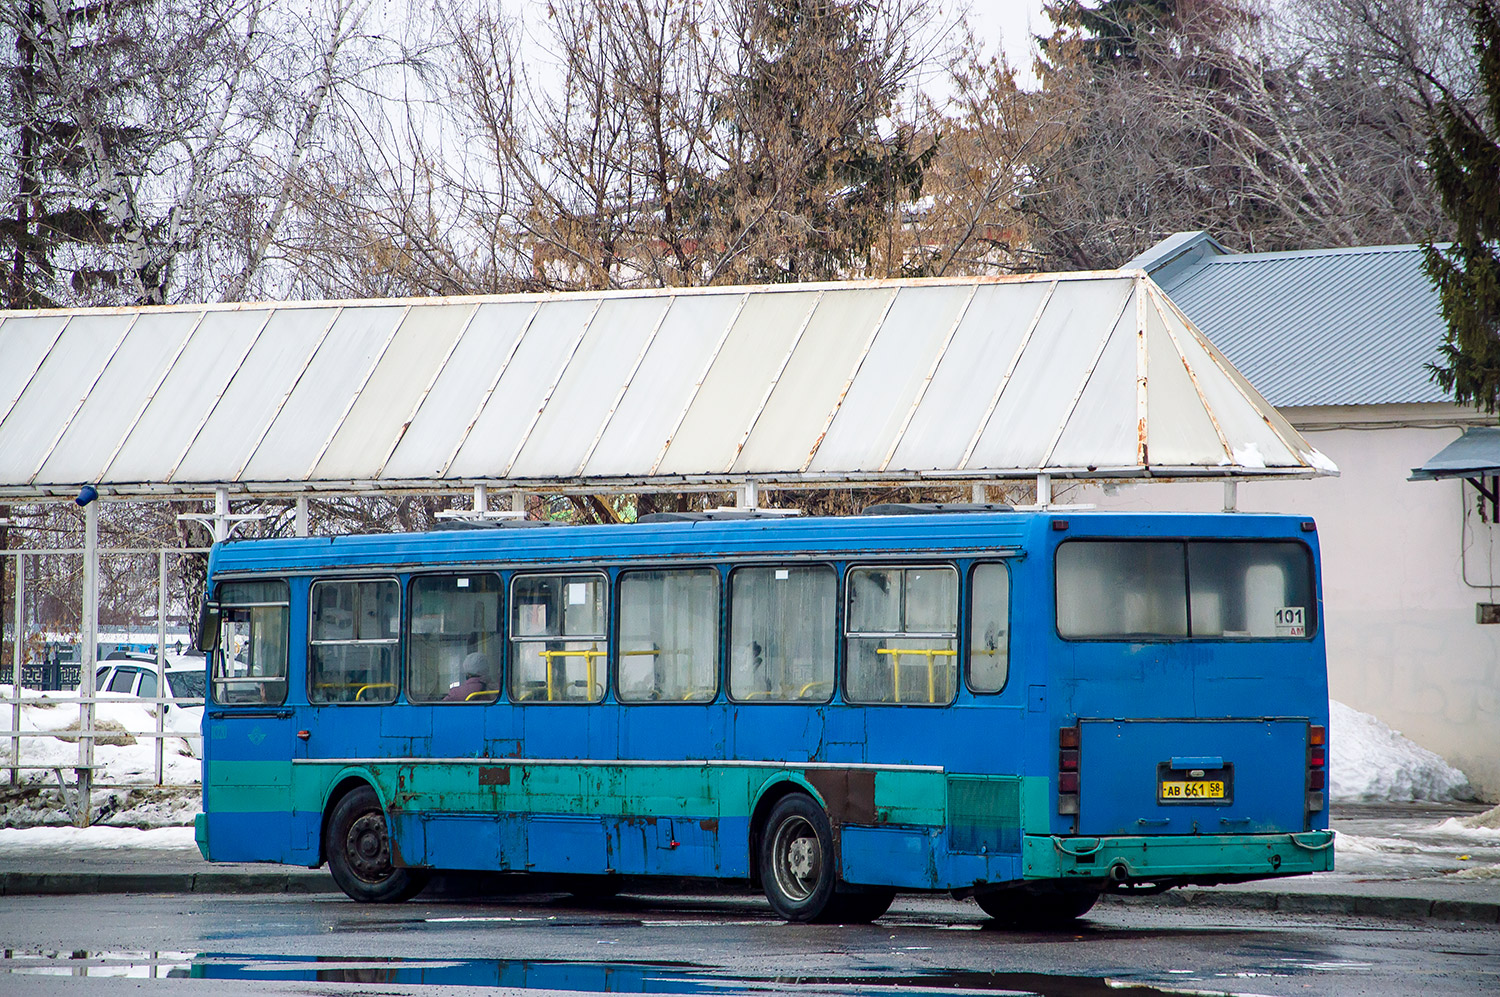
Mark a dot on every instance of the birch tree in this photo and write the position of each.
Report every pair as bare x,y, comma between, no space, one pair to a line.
152,141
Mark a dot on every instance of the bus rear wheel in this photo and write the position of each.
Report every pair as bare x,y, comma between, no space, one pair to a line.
358,847
1026,909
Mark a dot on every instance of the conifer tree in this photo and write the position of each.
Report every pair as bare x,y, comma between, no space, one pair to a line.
1466,170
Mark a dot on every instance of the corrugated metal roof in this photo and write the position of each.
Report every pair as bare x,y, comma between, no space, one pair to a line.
1317,327
1073,375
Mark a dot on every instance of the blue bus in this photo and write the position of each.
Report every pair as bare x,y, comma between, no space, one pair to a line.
1026,707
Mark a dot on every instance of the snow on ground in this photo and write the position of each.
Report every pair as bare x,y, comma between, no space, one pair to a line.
1460,846
25,839
1372,763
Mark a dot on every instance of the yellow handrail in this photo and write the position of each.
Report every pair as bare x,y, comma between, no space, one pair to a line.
372,685
588,657
929,653
482,692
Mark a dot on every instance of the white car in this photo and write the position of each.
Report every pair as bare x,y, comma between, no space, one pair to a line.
130,675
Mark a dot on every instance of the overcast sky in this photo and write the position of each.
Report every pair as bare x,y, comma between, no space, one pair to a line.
1012,22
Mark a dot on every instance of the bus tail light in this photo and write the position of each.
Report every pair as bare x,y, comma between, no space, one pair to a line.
1317,766
1068,741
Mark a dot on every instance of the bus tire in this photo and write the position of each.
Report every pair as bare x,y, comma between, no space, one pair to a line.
358,846
592,889
861,907
797,865
1027,909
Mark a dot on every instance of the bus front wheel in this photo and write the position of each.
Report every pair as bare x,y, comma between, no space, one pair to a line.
358,847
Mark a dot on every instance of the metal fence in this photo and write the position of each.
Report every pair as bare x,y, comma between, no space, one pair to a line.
42,680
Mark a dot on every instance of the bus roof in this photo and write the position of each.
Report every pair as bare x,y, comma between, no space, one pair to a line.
916,535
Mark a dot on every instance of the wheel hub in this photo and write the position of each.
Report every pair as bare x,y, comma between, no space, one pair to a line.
800,857
368,849
797,858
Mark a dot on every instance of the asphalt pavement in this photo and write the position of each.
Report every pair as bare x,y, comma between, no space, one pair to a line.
1392,863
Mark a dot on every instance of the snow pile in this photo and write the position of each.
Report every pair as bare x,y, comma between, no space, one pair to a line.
40,805
1482,827
1372,763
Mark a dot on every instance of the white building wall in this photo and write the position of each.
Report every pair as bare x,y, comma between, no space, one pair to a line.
1404,563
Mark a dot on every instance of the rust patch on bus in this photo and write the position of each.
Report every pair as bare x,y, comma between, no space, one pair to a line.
849,794
710,824
494,775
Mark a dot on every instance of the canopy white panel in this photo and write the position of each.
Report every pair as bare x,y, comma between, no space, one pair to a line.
882,381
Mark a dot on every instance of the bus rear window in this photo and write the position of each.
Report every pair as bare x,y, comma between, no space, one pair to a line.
1162,589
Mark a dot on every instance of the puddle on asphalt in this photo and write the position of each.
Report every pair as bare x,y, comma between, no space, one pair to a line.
588,977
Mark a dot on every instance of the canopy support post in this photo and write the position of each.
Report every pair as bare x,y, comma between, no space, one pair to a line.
1231,495
1043,490
220,523
299,517
161,663
221,514
84,773
15,675
481,500
749,495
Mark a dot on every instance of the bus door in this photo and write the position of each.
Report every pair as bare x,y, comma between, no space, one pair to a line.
249,730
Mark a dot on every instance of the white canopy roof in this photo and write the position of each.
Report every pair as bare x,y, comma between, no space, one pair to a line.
1076,375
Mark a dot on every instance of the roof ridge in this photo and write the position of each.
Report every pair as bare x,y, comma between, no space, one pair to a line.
1294,254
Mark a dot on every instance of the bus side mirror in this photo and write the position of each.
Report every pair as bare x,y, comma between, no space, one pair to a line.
208,627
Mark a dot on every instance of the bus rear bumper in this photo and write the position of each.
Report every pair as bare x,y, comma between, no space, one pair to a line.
1175,860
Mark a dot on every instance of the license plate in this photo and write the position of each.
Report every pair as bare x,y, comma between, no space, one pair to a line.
1207,789
1207,786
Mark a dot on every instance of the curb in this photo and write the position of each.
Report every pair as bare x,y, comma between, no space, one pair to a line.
300,882
1395,908
69,883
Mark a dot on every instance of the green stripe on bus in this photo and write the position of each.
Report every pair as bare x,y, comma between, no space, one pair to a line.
484,786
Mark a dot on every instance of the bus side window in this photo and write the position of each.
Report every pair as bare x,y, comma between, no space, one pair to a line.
781,633
989,627
558,643
249,665
902,635
354,642
453,648
669,636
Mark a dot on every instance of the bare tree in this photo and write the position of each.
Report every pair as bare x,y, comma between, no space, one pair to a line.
642,143
990,136
1223,120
